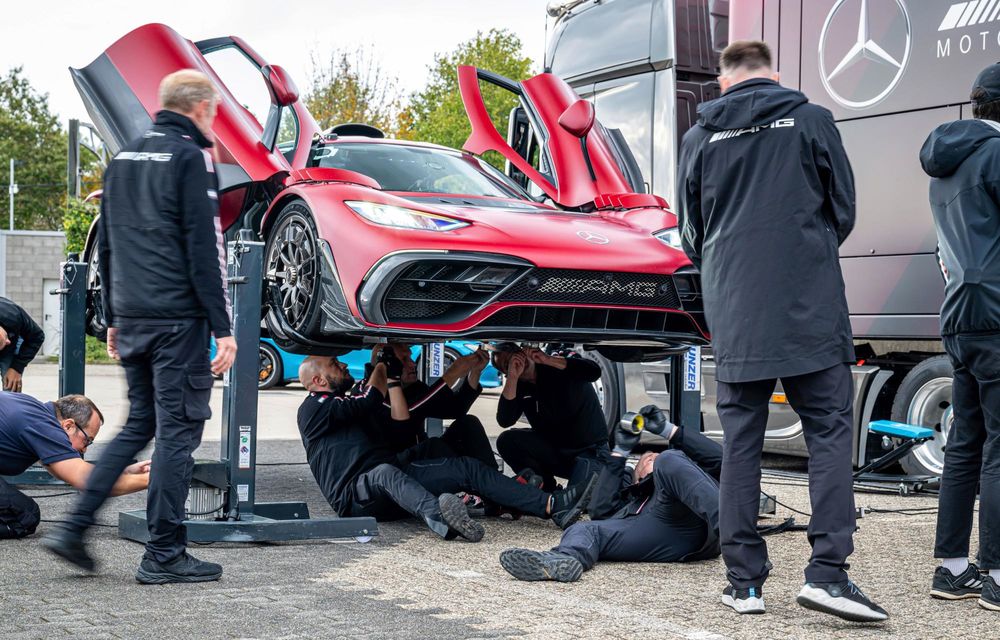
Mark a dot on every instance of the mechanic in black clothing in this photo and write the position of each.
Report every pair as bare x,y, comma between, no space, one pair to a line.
666,510
162,265
766,197
361,476
963,160
568,431
465,436
20,340
55,434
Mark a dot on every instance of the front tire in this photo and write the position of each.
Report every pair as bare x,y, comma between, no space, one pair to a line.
292,264
924,400
94,321
607,387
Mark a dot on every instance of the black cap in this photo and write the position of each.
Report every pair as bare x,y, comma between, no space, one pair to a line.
988,81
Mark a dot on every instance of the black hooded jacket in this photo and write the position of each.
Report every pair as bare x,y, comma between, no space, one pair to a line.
963,160
19,325
161,248
766,196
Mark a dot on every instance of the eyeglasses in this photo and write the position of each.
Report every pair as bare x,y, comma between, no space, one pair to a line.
86,437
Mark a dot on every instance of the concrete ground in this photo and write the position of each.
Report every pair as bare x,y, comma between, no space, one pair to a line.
407,583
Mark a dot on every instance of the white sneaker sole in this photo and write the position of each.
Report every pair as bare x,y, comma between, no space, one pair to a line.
988,605
819,600
748,606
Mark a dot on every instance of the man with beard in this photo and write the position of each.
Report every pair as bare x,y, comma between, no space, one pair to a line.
361,476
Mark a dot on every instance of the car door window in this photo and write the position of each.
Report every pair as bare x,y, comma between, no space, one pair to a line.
243,79
288,133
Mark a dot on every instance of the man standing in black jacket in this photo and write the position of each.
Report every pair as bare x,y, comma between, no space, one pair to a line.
766,196
20,340
361,476
162,265
963,160
666,510
556,394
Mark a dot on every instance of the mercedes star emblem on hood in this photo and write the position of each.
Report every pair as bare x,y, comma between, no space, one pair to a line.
595,238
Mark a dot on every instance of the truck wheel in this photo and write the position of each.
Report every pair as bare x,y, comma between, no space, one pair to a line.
924,400
271,374
607,389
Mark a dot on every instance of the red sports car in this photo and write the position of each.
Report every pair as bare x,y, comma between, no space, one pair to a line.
368,237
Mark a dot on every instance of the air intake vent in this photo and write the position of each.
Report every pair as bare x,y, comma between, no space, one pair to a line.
446,290
594,287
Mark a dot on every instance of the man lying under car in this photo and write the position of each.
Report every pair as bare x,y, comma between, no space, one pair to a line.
568,431
667,510
360,476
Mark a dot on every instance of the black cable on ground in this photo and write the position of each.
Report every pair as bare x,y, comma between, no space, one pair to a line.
96,524
793,509
280,464
51,495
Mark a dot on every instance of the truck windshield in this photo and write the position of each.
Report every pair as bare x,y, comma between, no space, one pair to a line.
418,169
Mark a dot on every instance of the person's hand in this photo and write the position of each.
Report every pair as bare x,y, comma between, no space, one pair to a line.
138,468
654,421
538,356
225,354
628,432
393,365
12,381
480,358
113,344
376,352
516,366
4,339
463,365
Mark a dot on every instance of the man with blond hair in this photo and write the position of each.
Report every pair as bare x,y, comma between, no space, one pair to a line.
162,265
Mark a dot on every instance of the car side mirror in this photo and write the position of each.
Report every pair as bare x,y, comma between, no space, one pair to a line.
578,119
283,89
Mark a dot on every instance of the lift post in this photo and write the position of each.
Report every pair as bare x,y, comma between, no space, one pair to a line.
228,485
684,387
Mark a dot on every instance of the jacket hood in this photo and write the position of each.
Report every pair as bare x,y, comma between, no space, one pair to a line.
947,147
750,103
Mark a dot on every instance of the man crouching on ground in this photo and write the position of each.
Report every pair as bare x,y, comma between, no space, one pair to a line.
360,476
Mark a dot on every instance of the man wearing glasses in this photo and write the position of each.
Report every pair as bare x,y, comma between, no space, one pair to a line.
56,434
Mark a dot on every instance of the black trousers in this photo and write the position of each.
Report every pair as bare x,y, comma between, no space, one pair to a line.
467,437
824,402
19,514
389,492
667,527
525,449
169,388
972,454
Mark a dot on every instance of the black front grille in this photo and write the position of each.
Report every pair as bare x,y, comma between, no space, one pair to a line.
589,319
594,287
443,291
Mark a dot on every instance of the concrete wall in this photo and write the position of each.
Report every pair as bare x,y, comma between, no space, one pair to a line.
27,258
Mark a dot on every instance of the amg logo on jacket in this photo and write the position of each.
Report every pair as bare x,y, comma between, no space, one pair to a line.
143,156
735,133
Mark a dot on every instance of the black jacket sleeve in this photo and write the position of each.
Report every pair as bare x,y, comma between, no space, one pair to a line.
607,498
836,175
206,257
17,322
104,254
583,369
343,411
689,218
509,411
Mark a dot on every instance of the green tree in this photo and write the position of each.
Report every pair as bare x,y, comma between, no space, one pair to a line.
353,87
31,134
77,217
437,113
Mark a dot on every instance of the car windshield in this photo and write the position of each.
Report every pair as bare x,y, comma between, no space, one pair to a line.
418,169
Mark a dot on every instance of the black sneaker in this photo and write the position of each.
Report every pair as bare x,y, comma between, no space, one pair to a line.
70,547
749,600
948,586
456,516
842,599
525,564
990,597
530,478
183,568
568,505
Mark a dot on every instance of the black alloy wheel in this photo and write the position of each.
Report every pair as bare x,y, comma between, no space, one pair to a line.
293,265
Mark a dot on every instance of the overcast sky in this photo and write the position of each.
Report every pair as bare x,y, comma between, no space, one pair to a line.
46,37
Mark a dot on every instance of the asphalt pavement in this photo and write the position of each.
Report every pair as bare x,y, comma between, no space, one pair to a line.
407,583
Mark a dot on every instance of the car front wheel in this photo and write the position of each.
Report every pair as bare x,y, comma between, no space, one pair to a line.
292,267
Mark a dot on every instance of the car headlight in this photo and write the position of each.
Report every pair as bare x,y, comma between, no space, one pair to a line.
392,216
670,237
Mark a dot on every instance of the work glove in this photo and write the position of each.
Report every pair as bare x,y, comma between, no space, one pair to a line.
393,366
653,420
628,433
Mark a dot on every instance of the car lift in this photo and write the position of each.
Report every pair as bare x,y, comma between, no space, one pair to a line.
229,484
